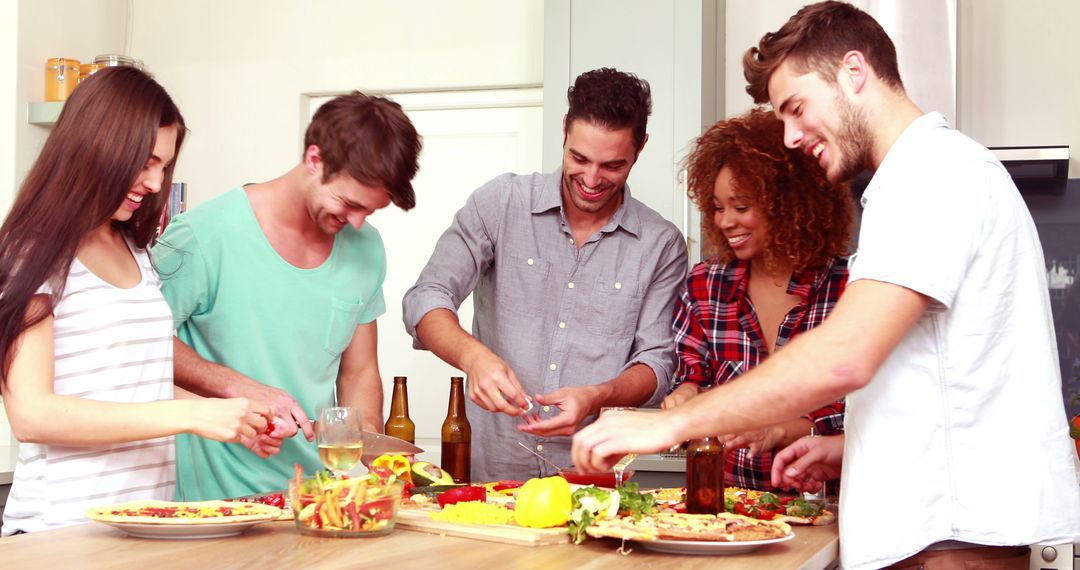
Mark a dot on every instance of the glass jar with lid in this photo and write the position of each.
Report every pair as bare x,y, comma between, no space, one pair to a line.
88,69
61,78
115,59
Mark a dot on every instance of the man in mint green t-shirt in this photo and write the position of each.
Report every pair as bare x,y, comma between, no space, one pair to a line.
275,288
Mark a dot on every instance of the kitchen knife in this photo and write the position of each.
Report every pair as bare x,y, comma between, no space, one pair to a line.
376,444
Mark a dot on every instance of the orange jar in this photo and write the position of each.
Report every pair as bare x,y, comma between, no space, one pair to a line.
88,69
61,78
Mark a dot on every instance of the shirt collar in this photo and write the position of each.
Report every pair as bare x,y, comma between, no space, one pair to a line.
736,280
909,138
550,197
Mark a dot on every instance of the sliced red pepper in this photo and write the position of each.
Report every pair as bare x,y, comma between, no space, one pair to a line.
378,509
354,516
507,484
462,495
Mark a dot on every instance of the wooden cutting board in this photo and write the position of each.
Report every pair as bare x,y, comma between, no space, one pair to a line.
418,520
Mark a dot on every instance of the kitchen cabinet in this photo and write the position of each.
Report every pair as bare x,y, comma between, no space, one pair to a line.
677,47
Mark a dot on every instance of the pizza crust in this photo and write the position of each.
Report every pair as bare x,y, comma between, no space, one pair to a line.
208,512
826,517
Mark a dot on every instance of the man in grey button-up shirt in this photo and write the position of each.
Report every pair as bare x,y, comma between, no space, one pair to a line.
574,284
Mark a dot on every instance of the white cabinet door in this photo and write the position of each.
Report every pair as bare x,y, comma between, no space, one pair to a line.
671,44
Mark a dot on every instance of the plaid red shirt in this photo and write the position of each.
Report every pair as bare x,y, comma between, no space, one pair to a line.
718,338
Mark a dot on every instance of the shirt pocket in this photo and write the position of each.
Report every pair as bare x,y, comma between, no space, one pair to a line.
614,307
522,283
343,320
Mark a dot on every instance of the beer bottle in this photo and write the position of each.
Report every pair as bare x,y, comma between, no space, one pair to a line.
457,435
398,424
705,476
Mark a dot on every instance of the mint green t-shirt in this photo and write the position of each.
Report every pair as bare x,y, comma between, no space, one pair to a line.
238,303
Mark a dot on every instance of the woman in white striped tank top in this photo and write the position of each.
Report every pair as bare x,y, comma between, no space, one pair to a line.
85,334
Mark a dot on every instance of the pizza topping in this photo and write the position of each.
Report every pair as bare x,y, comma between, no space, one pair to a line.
590,504
169,512
462,495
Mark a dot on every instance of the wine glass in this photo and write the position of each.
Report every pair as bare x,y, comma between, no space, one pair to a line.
623,463
340,437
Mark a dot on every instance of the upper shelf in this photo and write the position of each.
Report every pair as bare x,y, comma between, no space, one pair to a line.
43,112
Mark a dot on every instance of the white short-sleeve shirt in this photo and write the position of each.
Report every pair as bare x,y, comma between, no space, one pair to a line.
961,434
115,345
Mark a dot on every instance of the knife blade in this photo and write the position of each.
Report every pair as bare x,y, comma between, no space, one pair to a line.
376,444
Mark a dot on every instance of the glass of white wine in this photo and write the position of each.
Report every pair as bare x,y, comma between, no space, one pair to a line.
620,467
340,436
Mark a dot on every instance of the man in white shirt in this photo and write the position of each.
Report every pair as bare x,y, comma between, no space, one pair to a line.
943,342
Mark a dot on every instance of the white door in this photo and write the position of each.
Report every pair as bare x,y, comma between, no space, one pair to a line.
470,137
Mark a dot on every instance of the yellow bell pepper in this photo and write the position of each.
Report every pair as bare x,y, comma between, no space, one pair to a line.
399,465
543,503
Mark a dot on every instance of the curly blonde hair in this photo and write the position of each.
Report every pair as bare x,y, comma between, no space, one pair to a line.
810,219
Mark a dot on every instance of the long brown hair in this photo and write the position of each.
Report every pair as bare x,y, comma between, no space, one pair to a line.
100,144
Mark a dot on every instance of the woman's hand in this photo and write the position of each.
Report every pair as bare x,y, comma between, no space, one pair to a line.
757,441
228,419
683,393
806,464
769,438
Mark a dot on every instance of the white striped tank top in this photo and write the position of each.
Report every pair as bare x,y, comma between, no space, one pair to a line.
114,345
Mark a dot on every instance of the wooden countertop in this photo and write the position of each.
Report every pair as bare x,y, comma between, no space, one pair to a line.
279,545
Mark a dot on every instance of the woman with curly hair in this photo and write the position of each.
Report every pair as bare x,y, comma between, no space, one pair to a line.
781,231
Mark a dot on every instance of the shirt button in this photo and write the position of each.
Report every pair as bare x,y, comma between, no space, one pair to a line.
570,285
618,285
530,261
547,408
562,325
571,241
553,366
539,447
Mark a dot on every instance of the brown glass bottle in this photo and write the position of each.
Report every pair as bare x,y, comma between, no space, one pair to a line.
457,435
398,424
705,476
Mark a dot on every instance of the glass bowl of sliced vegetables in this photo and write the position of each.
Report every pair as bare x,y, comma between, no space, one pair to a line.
330,506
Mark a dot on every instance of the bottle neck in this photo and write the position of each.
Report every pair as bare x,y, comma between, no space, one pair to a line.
456,409
399,406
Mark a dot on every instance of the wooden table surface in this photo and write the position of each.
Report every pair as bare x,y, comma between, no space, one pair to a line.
279,545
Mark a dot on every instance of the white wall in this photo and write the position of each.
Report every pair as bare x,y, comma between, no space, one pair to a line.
79,29
237,69
1018,80
9,101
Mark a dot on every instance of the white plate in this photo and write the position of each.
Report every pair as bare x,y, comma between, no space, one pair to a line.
708,548
184,531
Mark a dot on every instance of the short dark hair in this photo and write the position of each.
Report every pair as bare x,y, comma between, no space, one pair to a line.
612,99
371,139
816,39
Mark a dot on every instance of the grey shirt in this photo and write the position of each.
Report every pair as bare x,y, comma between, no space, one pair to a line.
558,315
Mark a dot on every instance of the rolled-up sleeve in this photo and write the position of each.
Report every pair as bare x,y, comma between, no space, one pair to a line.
654,344
464,251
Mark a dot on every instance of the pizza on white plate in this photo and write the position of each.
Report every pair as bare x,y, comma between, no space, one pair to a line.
170,512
